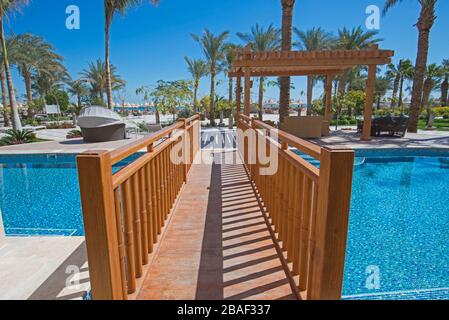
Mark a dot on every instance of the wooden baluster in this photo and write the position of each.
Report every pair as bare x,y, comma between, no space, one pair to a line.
305,229
154,200
312,234
149,204
161,187
298,217
166,185
159,193
121,244
290,223
137,224
143,214
129,237
282,203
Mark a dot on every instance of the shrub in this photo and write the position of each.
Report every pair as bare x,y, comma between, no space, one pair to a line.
14,137
60,126
441,112
74,134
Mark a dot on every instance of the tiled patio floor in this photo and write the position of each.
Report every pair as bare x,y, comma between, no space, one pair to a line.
217,245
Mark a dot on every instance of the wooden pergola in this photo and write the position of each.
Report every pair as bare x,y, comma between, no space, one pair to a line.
329,63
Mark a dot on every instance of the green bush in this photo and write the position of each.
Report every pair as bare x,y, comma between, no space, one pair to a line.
14,137
74,134
441,112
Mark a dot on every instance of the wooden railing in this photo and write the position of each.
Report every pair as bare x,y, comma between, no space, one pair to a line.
124,212
308,206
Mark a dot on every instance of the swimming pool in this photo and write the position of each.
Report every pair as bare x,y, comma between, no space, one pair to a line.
398,234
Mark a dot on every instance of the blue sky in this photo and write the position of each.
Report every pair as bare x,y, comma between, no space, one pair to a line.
149,43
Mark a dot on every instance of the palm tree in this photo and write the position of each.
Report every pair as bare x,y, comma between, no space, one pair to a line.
431,81
95,76
394,74
260,39
12,51
445,83
406,71
79,90
425,23
285,83
230,52
7,6
354,39
214,51
4,98
312,40
198,69
383,84
37,58
111,7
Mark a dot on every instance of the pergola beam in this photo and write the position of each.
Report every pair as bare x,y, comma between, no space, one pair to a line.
268,72
247,106
249,64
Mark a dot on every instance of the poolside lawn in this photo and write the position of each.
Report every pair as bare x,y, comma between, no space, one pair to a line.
441,124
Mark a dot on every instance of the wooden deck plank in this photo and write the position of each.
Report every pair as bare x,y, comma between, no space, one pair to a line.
217,245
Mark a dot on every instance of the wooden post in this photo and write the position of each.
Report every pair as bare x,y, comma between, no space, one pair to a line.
185,150
247,111
328,243
97,199
370,84
328,91
238,98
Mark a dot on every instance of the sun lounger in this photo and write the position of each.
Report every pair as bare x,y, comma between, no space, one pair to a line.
99,124
395,126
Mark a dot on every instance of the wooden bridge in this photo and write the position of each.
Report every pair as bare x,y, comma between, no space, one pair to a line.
218,224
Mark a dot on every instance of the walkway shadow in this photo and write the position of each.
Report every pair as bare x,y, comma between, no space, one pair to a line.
210,277
239,258
69,282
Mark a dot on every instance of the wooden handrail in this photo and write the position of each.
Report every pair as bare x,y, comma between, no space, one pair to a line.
128,150
124,212
308,206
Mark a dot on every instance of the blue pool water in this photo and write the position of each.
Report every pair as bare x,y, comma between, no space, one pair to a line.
39,195
398,234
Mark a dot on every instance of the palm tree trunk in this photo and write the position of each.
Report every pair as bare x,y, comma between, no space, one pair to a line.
342,83
287,28
212,98
427,89
16,124
231,98
261,95
309,95
27,78
4,99
195,96
394,97
108,64
444,91
401,94
424,26
158,117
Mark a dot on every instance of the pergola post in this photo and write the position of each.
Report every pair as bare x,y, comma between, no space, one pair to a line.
247,110
328,91
370,84
238,97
